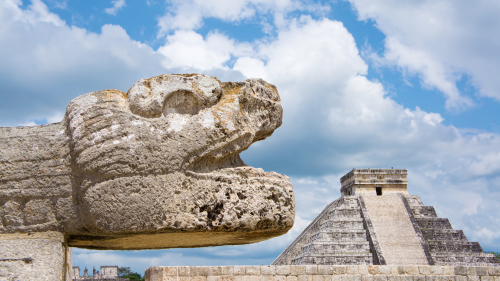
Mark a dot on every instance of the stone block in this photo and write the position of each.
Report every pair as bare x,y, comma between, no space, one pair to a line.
266,278
407,278
200,270
419,278
297,270
373,269
436,270
227,270
366,277
473,278
410,269
283,269
169,270
494,270
487,278
481,270
384,269
357,277
32,256
252,270
460,277
291,278
380,278
198,278
311,269
280,278
346,277
497,278
214,270
471,270
449,270
362,269
424,269
268,270
393,278
324,269
185,271
306,278
239,270
394,269
339,270
355,269
320,277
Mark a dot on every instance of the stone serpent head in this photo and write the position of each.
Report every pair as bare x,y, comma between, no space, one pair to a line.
163,159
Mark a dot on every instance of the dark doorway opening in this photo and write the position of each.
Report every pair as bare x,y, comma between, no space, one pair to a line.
379,190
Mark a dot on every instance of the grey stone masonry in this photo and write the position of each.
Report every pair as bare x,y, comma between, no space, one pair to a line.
446,245
376,221
324,273
338,236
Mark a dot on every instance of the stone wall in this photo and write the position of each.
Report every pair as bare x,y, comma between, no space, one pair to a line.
324,272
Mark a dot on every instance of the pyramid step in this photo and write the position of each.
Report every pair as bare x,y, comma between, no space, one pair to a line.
424,212
344,259
336,235
433,223
414,200
454,247
443,235
344,223
345,213
338,247
476,259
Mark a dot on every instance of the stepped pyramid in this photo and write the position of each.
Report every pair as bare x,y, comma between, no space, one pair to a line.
376,221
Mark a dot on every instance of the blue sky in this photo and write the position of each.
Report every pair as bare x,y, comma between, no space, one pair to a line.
364,83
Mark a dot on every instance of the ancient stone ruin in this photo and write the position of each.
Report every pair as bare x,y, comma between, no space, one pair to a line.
376,222
107,273
156,167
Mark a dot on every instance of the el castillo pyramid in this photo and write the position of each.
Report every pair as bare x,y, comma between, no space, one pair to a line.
376,221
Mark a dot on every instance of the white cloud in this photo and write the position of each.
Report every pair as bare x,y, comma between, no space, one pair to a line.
188,49
46,63
189,14
442,42
117,5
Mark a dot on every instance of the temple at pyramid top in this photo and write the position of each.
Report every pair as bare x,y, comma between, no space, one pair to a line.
374,182
376,221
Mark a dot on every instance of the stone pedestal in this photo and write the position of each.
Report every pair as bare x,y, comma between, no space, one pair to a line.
34,256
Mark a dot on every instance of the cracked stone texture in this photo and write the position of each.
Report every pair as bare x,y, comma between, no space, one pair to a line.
156,167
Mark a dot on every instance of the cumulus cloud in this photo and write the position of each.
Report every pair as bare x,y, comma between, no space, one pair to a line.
189,14
117,5
46,63
441,41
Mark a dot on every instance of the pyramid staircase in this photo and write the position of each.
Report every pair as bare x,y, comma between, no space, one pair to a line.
338,237
446,246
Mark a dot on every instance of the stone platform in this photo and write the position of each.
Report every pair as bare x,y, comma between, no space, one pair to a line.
324,273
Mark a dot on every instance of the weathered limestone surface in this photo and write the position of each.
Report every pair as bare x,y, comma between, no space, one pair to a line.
35,256
325,273
156,167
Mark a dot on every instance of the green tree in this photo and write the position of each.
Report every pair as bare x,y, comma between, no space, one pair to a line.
497,255
125,272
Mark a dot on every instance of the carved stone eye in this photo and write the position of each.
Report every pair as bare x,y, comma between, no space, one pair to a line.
182,102
167,94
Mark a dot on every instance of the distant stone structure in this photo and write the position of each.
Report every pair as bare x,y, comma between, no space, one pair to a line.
377,222
108,273
156,167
